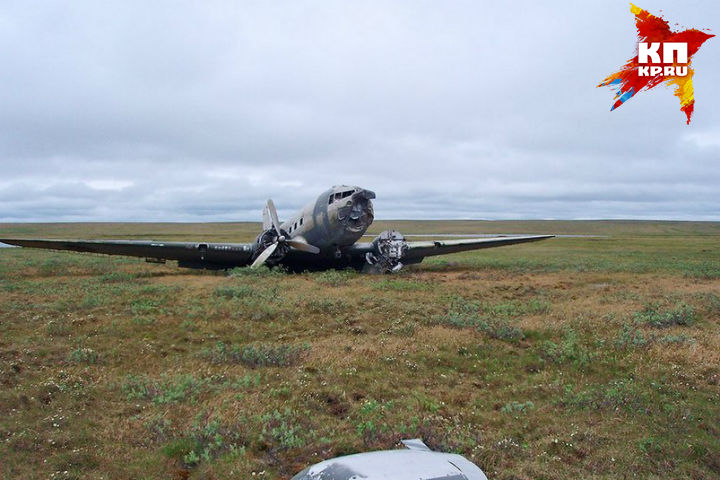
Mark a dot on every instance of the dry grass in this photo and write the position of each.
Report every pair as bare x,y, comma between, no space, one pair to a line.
108,371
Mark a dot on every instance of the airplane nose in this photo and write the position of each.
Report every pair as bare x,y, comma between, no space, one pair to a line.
366,194
357,213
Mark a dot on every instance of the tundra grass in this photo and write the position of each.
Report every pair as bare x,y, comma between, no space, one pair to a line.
569,358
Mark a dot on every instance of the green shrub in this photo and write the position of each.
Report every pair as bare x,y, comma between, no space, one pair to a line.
370,419
188,326
463,313
261,271
514,309
234,291
116,277
502,331
617,394
51,267
654,316
57,327
282,429
703,271
629,337
682,338
206,440
711,302
568,351
327,306
166,390
401,285
143,321
258,355
334,278
181,388
83,355
145,306
247,293
517,407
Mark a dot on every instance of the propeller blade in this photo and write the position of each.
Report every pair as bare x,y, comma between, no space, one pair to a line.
305,247
273,215
264,255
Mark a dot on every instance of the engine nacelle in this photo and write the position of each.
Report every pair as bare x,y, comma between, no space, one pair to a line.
267,238
388,250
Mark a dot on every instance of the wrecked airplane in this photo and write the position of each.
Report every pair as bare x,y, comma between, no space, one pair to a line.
322,235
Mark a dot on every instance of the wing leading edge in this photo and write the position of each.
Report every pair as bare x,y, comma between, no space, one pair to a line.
199,254
419,250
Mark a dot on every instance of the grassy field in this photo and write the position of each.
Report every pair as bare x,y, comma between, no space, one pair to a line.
565,359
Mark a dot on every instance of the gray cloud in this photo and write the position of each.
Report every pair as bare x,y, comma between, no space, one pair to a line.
200,111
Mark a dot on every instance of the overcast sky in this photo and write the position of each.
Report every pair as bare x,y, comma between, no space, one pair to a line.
193,111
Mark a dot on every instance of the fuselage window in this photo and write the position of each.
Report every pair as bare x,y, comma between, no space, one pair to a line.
300,220
346,194
330,200
295,226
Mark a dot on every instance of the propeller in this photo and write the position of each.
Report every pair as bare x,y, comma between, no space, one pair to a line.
264,255
273,215
280,239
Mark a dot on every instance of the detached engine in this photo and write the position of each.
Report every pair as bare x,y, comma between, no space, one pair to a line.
388,249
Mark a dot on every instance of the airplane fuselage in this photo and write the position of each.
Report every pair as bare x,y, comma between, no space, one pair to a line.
338,218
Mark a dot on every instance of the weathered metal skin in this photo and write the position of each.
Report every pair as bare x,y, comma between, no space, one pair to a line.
389,248
418,462
337,219
324,234
329,222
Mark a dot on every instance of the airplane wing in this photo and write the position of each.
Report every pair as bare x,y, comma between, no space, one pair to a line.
419,250
201,255
389,251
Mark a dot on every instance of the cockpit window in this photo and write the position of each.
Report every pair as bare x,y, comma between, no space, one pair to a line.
339,195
